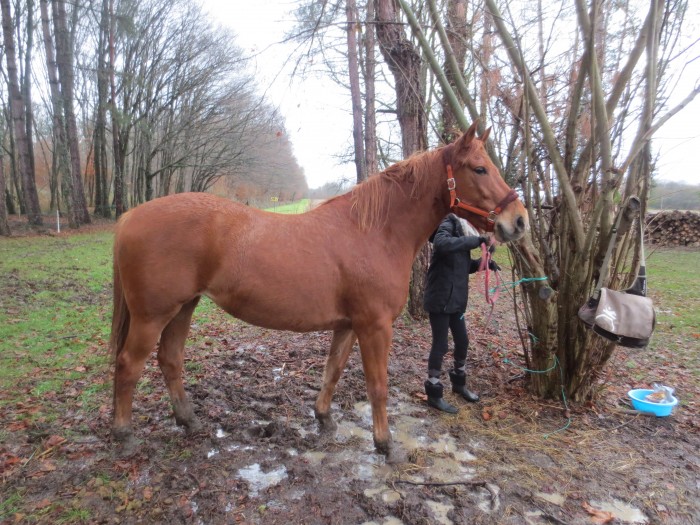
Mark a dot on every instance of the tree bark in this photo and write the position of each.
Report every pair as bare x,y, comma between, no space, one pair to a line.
4,225
118,142
27,84
30,196
64,63
369,76
100,156
456,32
405,64
60,149
353,24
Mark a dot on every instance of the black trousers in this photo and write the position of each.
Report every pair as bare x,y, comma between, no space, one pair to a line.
440,323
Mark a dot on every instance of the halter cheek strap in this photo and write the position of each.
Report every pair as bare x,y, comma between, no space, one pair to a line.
490,216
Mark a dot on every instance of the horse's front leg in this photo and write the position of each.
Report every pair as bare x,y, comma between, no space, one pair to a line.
375,344
342,343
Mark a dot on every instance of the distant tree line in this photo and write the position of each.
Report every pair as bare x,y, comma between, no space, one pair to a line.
674,196
109,103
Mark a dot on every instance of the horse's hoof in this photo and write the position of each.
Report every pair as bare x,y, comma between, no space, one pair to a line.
122,434
396,455
328,426
127,446
192,426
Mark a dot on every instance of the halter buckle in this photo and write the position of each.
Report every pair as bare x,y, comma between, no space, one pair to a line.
491,217
451,184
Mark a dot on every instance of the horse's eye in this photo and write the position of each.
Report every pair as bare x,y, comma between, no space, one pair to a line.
480,170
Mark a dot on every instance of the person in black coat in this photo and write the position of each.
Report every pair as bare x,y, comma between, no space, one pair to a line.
445,300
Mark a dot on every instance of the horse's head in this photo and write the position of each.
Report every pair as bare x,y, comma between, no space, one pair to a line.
478,193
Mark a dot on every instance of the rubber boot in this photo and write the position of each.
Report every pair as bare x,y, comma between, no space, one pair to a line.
435,400
459,380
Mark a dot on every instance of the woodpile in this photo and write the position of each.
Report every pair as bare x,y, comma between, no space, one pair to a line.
673,228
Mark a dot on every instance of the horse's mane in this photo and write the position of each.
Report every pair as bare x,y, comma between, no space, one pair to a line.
408,178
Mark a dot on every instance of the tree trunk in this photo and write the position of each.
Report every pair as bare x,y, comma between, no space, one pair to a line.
369,76
30,196
64,63
100,156
406,66
4,225
353,24
118,142
60,150
27,85
457,37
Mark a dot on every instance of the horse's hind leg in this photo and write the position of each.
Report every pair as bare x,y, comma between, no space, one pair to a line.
171,357
342,343
140,342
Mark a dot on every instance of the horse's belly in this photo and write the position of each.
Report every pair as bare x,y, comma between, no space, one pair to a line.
295,314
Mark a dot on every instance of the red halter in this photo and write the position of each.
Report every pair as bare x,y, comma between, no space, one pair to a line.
490,215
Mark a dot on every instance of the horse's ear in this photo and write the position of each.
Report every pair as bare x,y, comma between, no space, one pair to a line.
468,136
485,136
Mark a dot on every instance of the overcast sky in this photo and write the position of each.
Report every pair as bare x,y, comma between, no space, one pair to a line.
317,112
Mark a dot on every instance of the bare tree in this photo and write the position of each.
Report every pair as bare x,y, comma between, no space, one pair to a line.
60,142
353,26
4,225
64,64
369,76
30,196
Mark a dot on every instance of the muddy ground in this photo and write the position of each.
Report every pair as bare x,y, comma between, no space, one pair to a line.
510,459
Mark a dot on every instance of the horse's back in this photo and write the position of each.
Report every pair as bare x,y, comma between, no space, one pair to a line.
166,250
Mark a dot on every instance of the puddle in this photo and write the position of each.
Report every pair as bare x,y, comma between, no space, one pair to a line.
389,520
440,511
383,492
555,499
448,445
347,430
622,511
278,373
259,480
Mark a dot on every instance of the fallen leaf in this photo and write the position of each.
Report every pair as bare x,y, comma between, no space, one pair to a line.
598,516
47,466
46,502
54,440
486,415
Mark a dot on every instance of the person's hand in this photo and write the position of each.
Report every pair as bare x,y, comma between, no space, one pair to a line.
493,266
492,249
484,240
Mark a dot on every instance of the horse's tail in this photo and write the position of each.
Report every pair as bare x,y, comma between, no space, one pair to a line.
120,313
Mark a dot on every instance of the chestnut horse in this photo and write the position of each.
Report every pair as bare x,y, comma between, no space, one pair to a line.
343,266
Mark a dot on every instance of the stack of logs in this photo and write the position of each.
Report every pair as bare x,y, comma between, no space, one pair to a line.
673,228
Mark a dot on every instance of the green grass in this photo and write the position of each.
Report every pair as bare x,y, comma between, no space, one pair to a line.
293,207
54,311
673,277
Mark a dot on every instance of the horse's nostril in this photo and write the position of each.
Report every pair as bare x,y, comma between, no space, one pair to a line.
520,223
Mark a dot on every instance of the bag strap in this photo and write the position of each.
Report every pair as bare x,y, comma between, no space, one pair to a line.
603,277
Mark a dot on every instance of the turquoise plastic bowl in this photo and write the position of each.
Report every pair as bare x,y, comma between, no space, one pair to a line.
639,402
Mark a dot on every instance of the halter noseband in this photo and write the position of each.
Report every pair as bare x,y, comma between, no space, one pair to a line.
489,215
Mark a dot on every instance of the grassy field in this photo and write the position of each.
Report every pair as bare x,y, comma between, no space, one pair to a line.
299,206
55,310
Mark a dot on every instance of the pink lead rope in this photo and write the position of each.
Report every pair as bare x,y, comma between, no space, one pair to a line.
484,266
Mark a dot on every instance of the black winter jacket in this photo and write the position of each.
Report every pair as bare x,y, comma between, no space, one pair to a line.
447,287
